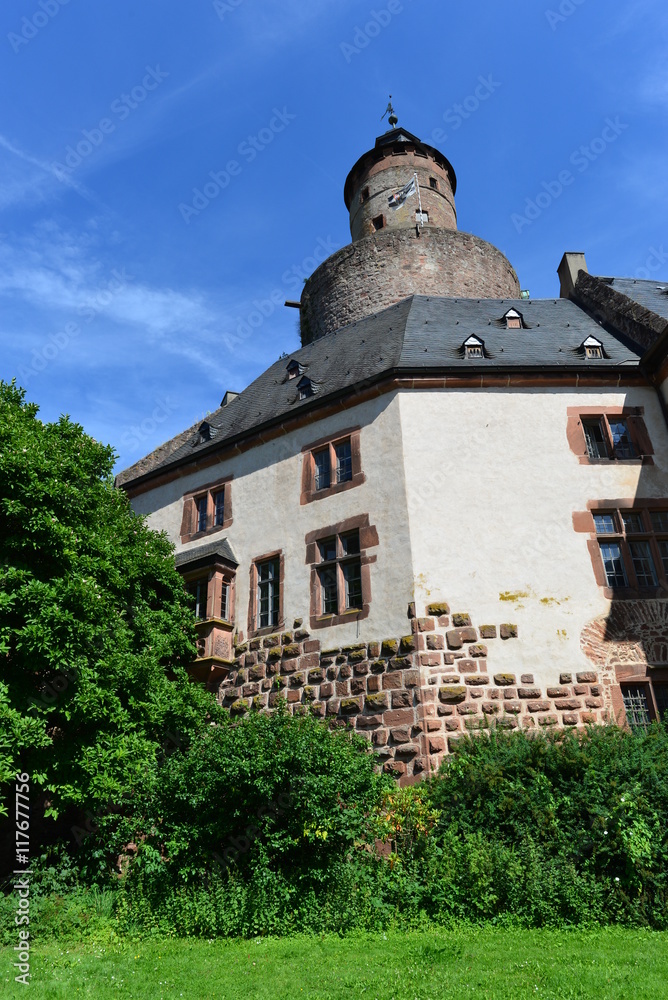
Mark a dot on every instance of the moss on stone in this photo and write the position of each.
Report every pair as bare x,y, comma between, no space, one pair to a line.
350,705
504,680
461,620
309,693
276,653
239,706
389,647
438,608
290,651
357,656
408,644
375,701
286,638
452,693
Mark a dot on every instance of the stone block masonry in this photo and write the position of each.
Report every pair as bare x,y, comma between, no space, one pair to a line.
412,696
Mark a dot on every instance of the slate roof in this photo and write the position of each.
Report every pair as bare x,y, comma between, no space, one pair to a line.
418,335
220,548
653,295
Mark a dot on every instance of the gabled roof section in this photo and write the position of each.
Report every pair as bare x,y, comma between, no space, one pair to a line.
418,336
204,555
396,135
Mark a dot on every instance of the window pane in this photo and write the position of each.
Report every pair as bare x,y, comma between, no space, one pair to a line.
621,438
329,591
663,549
198,589
219,500
637,709
660,520
327,548
268,593
322,471
643,564
344,462
225,602
352,575
201,513
350,543
614,567
632,522
596,447
661,695
605,524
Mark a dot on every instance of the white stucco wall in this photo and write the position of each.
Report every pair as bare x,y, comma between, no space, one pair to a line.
472,494
492,485
267,516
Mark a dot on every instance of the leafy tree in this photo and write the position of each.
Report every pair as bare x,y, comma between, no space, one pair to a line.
96,629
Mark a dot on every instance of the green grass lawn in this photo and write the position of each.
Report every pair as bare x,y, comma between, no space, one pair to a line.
416,965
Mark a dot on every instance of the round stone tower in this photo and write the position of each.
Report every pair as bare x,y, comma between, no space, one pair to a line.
403,221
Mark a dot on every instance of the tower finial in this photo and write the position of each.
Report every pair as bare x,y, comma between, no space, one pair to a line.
389,110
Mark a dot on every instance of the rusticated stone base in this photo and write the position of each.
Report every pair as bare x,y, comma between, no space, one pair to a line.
412,696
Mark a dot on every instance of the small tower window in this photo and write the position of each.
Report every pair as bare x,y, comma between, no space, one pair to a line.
474,348
593,348
378,222
433,183
364,196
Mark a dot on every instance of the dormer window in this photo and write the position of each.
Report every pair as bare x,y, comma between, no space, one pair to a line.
593,348
514,320
293,368
305,388
474,348
204,432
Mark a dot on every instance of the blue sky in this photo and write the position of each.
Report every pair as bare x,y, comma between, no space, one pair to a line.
123,307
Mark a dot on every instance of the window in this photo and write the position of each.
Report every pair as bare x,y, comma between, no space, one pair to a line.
198,590
514,320
305,388
265,610
207,509
378,222
268,593
474,348
631,543
331,466
645,702
614,435
364,195
433,183
219,508
340,571
592,349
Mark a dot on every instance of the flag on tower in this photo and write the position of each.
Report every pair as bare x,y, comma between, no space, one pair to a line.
399,197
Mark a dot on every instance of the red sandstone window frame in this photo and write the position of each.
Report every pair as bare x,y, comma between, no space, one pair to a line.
309,451
368,538
634,418
583,522
207,493
253,603
657,708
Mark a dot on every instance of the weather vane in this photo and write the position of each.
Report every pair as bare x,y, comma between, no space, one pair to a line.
389,110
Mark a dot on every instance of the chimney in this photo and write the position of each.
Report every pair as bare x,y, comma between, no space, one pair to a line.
571,264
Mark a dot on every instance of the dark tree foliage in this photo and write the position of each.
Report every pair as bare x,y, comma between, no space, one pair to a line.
95,626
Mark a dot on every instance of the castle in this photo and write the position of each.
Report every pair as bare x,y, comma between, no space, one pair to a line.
449,508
